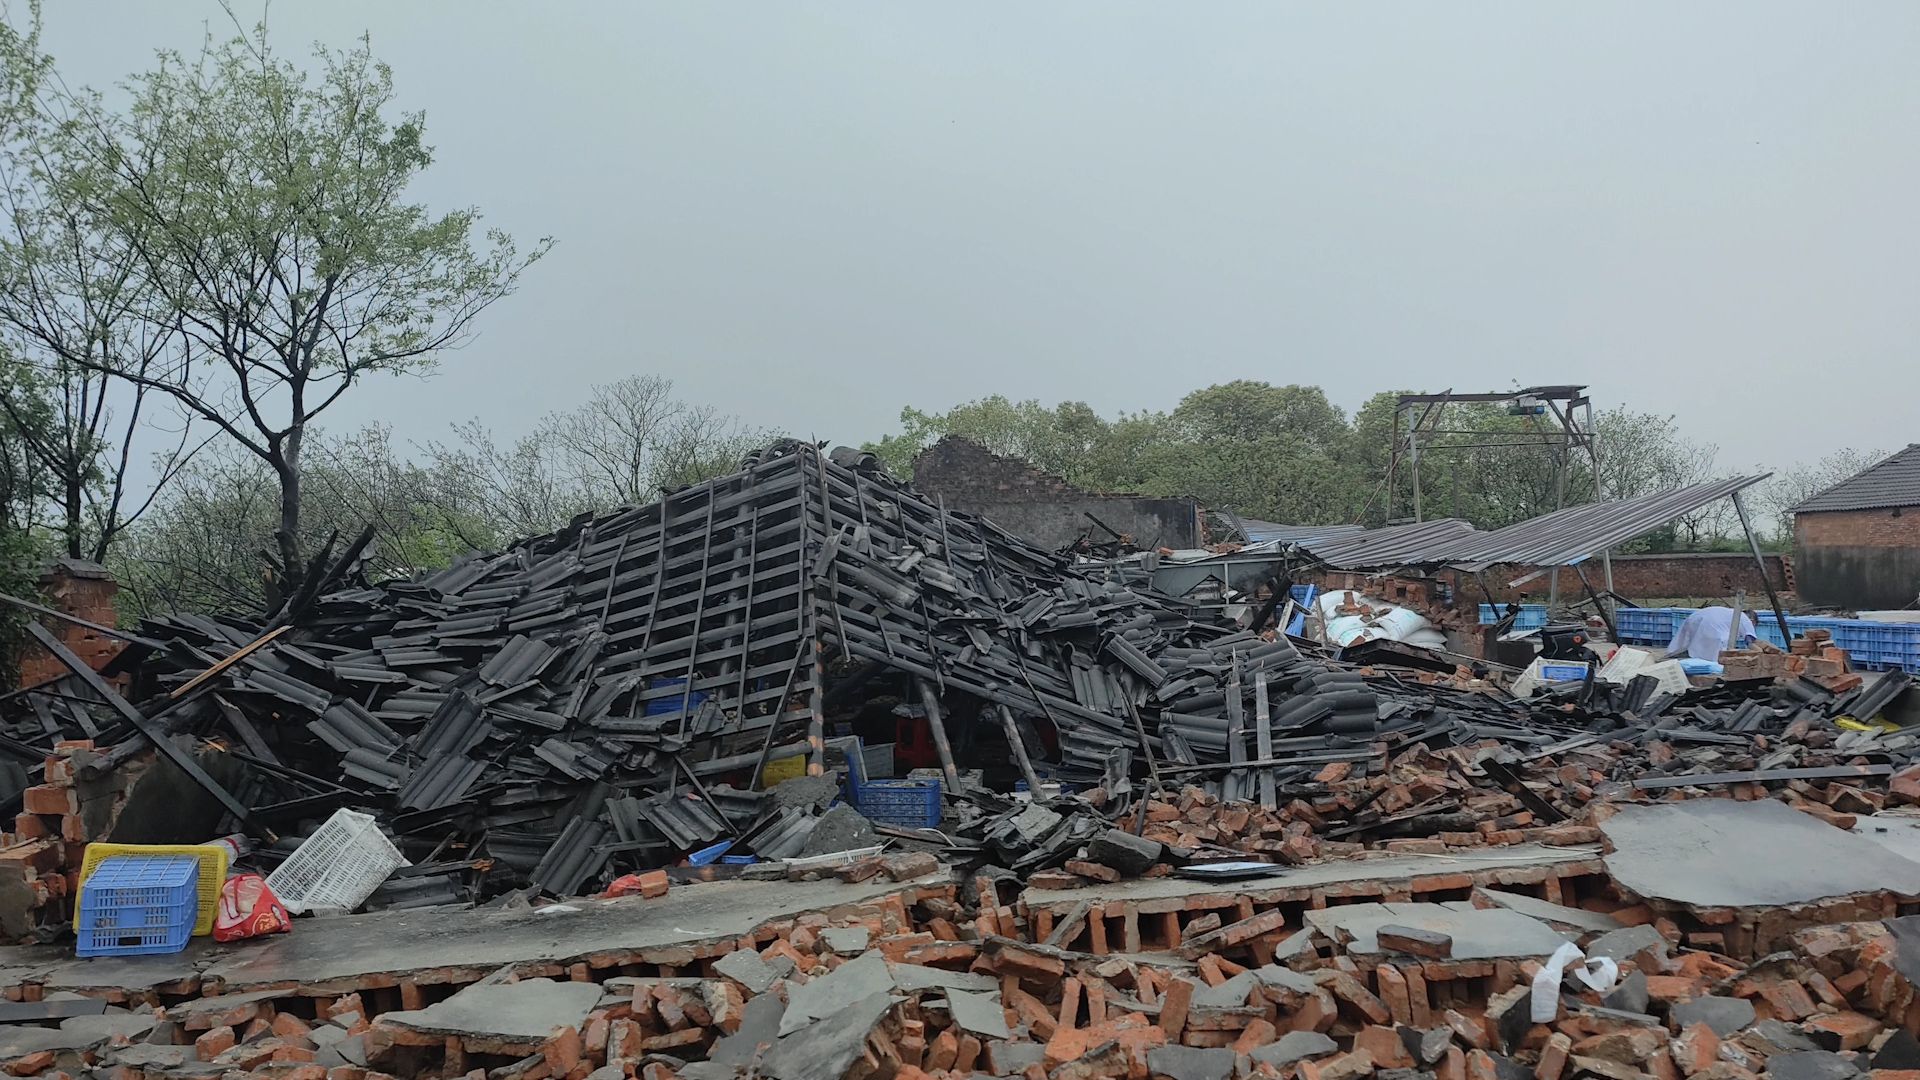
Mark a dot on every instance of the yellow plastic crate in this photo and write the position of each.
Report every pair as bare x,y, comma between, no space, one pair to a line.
783,768
213,873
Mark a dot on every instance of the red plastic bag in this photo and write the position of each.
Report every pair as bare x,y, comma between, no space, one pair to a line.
625,885
248,909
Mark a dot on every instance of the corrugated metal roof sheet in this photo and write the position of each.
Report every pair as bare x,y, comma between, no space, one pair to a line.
1893,482
1395,545
1263,532
1570,536
1561,538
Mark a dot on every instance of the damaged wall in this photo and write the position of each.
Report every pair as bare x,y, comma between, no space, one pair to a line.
1858,558
1043,508
84,590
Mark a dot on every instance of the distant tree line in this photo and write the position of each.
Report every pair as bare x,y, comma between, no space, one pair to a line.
1288,454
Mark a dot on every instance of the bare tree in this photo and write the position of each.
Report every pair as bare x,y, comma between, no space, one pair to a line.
1803,481
630,440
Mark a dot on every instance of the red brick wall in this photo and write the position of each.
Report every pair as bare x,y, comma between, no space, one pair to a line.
1706,574
1682,575
88,598
1898,527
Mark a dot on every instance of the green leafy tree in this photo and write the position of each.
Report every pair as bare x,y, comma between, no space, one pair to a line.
267,212
72,305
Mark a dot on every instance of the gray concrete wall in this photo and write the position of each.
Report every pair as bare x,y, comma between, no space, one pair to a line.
1858,577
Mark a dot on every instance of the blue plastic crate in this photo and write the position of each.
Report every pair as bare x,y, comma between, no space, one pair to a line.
1304,596
1871,646
909,804
670,704
135,905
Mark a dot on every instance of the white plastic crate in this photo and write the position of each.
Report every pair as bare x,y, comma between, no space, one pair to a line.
339,866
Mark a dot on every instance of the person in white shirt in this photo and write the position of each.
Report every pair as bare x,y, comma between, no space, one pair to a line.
1704,635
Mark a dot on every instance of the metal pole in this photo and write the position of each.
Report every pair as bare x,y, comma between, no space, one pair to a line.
1760,561
1562,460
1600,495
1413,464
930,702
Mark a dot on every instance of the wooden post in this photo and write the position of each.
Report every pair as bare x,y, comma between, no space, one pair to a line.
931,702
1019,748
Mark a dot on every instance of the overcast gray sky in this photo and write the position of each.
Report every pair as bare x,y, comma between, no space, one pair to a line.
812,214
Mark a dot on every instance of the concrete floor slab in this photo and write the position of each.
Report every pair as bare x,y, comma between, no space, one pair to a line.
525,1011
1722,853
1557,914
1478,933
1395,868
1898,833
352,947
391,942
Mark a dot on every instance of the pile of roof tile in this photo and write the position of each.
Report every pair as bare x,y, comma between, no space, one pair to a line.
602,699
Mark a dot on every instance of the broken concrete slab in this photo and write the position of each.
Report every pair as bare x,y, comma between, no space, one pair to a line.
18,1040
840,829
1477,933
1294,1046
348,948
1626,942
913,978
759,1029
1725,853
1550,913
1725,1015
1228,995
827,1048
148,1057
855,981
1279,978
1012,1058
1630,995
846,940
1778,1037
745,967
1387,868
1811,1065
981,1014
518,1012
1191,1063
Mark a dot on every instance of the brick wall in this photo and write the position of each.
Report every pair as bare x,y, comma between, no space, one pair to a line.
1695,576
86,591
1044,508
1859,558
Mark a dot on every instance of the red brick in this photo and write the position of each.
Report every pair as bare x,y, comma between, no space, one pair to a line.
1696,1049
29,1064
1853,1029
213,1043
1553,1057
561,1050
1384,1046
50,799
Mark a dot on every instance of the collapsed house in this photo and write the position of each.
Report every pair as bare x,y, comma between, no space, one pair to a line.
1281,860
